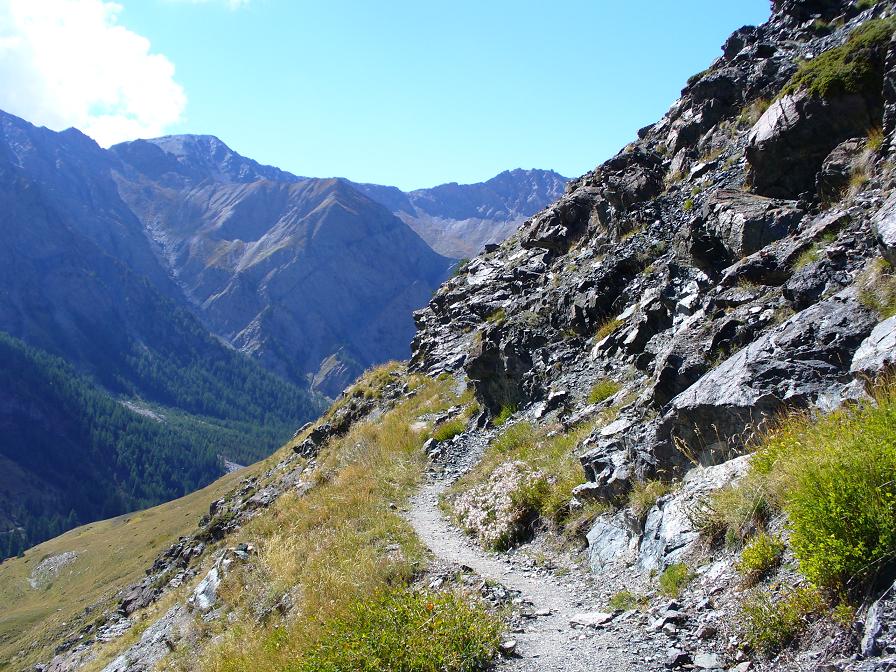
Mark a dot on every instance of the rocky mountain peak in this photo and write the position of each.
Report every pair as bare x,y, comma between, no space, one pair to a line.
196,157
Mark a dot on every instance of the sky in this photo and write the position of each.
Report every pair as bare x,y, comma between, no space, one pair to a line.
399,92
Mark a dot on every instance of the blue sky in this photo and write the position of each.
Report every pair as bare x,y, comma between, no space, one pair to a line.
405,93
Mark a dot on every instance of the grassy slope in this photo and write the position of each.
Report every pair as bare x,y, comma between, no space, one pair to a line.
112,554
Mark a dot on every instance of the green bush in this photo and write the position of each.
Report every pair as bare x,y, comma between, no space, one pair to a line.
603,389
448,430
760,556
405,630
688,204
625,600
768,624
836,481
504,415
497,316
675,579
855,67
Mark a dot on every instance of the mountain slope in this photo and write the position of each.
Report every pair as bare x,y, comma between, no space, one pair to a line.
310,277
458,220
81,280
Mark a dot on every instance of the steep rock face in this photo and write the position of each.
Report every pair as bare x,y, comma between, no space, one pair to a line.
458,220
713,270
311,277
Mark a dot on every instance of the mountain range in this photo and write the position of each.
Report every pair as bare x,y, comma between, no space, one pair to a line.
199,287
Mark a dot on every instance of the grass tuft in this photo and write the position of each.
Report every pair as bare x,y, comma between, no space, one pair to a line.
760,556
877,288
645,494
504,415
625,600
525,475
449,429
602,390
398,629
607,327
675,578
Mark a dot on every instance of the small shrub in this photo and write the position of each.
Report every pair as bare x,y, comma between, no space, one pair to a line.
448,430
877,288
675,579
768,625
858,178
835,478
607,327
497,316
524,476
602,390
625,600
807,257
854,67
504,415
693,79
405,630
688,205
760,556
875,139
644,496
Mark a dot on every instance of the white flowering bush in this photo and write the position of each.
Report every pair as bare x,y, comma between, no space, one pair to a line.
499,510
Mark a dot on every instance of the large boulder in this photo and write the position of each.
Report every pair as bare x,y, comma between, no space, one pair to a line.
884,225
560,225
836,171
669,531
877,353
786,147
796,364
735,224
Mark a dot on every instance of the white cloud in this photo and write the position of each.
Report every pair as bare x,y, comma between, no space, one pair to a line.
69,63
232,4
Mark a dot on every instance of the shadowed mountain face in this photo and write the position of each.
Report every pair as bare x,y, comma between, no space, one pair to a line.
311,277
458,220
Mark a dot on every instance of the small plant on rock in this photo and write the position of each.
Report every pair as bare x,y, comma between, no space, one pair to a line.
877,288
504,415
675,578
768,623
645,494
607,327
760,556
625,600
497,316
855,67
447,430
602,390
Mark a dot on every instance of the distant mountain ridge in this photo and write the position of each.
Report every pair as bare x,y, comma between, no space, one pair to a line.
458,220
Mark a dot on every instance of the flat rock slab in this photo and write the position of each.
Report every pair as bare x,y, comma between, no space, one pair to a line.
591,619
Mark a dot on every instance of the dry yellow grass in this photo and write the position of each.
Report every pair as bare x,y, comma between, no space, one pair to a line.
111,554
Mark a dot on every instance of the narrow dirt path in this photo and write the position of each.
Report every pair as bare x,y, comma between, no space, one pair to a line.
548,640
